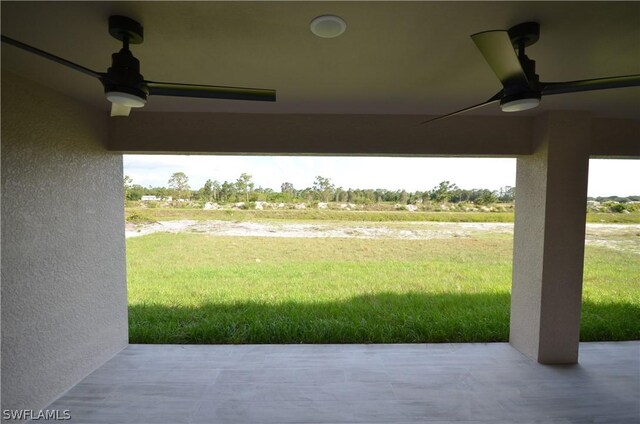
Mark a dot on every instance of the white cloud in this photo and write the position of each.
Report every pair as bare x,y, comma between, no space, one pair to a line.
614,177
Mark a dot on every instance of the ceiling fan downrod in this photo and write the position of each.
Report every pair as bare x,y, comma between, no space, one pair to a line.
522,36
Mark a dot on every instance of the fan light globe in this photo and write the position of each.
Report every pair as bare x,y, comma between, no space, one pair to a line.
519,105
125,99
328,26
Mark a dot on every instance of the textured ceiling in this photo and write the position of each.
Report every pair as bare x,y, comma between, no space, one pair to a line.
395,57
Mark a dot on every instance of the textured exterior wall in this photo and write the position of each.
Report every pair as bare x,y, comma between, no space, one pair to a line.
64,308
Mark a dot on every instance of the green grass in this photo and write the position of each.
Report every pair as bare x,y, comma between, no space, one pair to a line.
194,288
137,215
169,214
614,218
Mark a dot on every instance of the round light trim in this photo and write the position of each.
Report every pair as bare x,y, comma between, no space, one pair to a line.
520,105
328,26
125,99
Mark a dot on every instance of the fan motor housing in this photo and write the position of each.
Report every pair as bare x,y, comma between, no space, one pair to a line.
139,90
124,75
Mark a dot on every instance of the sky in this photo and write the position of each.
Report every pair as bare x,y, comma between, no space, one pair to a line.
607,177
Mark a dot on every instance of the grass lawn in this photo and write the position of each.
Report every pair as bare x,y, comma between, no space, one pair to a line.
168,214
195,288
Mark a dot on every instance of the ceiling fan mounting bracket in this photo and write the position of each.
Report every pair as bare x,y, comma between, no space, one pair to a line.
524,34
121,28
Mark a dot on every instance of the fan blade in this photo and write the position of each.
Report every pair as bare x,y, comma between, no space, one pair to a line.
50,56
210,91
499,53
119,110
493,99
549,88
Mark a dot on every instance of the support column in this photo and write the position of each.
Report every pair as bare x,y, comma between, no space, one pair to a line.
548,251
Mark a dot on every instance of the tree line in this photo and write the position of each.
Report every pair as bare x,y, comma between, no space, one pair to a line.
618,199
243,189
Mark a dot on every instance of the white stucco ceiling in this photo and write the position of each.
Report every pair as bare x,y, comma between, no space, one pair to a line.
395,57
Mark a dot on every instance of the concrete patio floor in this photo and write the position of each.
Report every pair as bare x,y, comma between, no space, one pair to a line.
417,383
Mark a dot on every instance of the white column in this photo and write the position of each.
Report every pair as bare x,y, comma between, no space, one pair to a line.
548,251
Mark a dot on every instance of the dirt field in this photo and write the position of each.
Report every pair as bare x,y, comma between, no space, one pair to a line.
615,236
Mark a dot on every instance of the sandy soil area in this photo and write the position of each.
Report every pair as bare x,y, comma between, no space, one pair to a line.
410,231
615,236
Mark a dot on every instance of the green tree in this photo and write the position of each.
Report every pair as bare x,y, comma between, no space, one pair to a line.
340,194
244,185
351,198
207,190
323,188
404,198
288,191
179,183
215,190
132,191
485,197
160,192
507,194
127,181
426,197
443,191
227,190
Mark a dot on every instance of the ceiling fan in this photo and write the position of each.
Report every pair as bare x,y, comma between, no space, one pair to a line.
522,88
126,88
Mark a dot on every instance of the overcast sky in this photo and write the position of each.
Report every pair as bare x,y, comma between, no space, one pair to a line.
606,177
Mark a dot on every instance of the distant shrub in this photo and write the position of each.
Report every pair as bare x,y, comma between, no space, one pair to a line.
139,218
617,207
622,207
428,206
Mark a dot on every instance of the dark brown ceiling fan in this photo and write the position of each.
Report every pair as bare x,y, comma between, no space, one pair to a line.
126,88
522,88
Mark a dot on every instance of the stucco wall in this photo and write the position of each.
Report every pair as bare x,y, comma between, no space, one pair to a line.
548,248
64,310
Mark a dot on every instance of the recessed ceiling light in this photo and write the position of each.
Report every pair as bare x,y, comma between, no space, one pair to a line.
328,26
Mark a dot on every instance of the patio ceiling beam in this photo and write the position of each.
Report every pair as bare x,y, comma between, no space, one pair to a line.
322,134
389,135
615,138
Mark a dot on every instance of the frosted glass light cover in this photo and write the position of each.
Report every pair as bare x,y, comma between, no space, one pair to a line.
520,104
328,26
119,110
125,99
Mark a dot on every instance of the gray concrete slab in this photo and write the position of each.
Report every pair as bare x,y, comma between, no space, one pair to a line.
443,383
